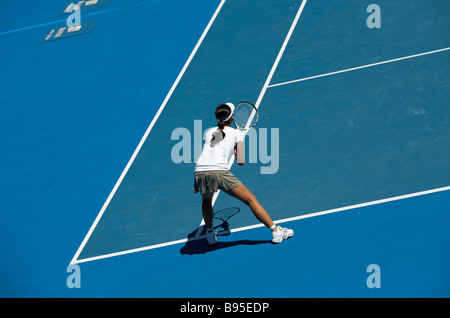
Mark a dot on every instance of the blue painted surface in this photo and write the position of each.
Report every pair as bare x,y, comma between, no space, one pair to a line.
327,257
73,111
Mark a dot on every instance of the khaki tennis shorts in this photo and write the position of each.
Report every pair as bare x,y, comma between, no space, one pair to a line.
211,181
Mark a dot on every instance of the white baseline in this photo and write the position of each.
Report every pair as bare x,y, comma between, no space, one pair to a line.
295,218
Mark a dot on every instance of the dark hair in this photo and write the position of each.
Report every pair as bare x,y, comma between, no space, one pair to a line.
222,112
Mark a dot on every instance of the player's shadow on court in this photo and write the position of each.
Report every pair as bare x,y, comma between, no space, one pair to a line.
197,244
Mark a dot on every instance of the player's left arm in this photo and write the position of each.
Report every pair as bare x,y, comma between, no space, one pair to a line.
239,153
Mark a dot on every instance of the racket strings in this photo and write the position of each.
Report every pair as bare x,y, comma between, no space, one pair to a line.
245,115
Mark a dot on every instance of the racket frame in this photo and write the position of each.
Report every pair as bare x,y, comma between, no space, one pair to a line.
250,119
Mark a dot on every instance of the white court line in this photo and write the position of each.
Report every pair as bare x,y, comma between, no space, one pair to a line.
262,93
147,132
360,67
280,54
295,218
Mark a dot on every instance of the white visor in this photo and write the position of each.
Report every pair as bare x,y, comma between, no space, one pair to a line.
232,110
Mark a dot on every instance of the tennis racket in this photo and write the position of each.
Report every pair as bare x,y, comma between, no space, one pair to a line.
245,115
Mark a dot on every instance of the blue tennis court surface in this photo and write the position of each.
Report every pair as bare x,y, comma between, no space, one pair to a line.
355,160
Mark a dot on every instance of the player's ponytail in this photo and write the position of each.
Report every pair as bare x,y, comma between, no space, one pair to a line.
220,124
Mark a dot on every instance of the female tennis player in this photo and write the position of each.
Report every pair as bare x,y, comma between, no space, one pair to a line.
211,174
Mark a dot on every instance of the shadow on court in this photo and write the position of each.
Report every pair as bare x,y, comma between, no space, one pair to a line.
200,246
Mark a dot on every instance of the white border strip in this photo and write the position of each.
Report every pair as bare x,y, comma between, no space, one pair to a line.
147,132
295,218
360,67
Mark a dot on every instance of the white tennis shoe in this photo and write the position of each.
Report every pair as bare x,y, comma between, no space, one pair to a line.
281,234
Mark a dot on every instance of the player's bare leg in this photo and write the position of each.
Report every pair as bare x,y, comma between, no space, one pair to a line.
207,209
242,193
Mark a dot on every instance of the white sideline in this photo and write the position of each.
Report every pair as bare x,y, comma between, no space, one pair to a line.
295,218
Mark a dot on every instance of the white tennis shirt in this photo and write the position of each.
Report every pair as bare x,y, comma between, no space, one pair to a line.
217,157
